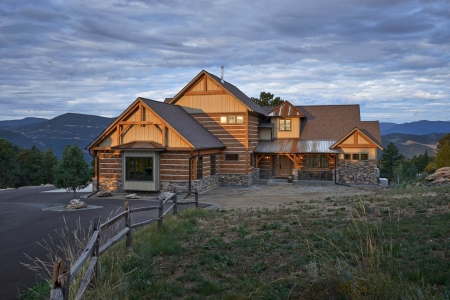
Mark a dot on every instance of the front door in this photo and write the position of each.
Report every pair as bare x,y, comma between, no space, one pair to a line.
284,166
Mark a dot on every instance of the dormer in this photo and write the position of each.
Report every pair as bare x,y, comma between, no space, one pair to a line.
286,120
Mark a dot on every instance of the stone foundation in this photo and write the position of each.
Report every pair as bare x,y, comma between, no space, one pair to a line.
239,179
108,184
199,185
357,171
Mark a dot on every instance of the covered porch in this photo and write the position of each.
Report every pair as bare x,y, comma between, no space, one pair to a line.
305,160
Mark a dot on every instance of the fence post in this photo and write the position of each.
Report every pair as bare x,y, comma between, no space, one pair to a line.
196,198
67,280
128,224
175,202
96,226
60,281
160,212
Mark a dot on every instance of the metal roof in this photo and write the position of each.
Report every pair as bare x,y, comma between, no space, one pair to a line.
295,146
140,145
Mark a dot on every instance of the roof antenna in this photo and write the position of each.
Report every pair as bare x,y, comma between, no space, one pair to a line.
221,73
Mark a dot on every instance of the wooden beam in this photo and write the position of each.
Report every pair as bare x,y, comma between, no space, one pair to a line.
291,158
357,146
205,88
136,123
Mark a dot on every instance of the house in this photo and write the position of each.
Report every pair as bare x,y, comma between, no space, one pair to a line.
211,133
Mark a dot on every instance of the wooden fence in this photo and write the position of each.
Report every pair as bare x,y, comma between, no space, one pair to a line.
63,274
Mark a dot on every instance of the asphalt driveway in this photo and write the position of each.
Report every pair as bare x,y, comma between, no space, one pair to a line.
23,223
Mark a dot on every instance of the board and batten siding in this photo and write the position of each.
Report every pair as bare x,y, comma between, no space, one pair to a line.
233,136
142,185
293,133
215,103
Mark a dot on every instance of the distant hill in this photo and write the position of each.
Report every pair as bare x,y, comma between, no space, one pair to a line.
58,132
413,145
417,127
26,121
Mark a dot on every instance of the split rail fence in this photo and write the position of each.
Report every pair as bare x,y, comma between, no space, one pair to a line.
63,273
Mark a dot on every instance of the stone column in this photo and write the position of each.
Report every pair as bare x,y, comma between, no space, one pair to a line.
295,174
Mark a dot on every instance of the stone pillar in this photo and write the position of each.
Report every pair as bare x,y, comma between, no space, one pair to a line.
295,174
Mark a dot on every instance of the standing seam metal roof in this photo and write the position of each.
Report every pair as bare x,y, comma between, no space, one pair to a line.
295,146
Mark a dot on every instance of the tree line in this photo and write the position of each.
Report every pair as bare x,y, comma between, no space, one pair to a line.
24,167
395,167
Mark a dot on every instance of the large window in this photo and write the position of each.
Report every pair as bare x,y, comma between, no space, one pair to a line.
285,125
213,164
200,167
139,168
317,161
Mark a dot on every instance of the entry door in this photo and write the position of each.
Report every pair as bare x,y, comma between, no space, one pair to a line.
285,166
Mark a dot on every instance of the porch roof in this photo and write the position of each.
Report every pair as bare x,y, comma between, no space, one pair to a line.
295,146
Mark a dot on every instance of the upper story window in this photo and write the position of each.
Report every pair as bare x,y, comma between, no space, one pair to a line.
285,125
231,156
232,119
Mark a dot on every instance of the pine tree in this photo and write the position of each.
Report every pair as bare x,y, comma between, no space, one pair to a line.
72,172
390,159
49,162
266,99
8,164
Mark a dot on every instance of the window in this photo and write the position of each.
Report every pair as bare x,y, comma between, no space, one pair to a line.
239,119
200,167
355,156
364,156
212,159
317,161
347,156
231,119
285,125
231,156
223,119
252,160
139,168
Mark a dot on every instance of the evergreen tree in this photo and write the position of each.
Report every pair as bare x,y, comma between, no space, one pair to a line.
443,156
266,99
390,159
34,166
421,161
72,172
8,164
49,162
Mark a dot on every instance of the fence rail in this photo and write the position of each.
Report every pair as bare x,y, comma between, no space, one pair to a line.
63,275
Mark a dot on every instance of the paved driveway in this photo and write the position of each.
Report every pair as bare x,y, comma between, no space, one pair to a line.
23,223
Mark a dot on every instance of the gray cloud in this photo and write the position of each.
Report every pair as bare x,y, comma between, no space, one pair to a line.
96,57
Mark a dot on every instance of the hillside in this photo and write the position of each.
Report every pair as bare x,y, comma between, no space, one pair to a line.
413,145
417,127
58,132
26,121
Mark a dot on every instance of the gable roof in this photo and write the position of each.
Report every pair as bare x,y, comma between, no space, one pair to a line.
237,93
184,124
333,122
176,117
356,129
285,109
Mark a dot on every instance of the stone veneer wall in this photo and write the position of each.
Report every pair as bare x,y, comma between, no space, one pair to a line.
357,171
240,179
108,184
200,185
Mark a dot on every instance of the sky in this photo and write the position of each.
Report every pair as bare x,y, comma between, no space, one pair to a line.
96,57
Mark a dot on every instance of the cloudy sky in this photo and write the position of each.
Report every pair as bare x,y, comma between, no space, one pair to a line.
96,57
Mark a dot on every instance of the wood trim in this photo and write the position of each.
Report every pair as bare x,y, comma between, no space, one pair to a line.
136,123
357,146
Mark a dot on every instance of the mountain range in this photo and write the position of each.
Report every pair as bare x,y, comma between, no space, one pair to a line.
410,138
